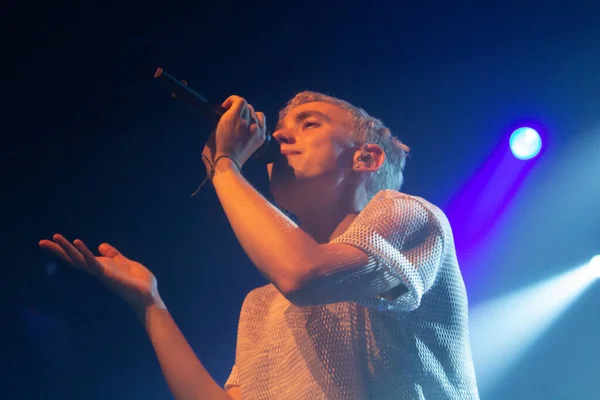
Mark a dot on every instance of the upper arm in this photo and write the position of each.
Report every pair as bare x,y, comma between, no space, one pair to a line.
342,272
234,392
392,248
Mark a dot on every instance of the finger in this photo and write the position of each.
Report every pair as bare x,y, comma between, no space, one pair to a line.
109,251
253,116
235,104
56,250
95,266
229,101
247,114
262,120
256,126
71,251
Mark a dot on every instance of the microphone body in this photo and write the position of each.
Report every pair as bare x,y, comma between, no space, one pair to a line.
269,150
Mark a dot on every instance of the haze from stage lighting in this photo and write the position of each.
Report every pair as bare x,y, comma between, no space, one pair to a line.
595,265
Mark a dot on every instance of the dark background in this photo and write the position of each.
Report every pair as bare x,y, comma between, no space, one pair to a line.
95,149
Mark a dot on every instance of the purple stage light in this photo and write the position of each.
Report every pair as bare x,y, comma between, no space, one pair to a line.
525,143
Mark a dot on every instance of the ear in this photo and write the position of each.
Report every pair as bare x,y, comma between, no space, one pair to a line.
369,158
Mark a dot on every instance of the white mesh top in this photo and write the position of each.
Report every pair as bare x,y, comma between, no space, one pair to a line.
414,346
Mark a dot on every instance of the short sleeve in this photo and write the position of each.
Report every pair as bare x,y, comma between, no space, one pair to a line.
406,241
233,379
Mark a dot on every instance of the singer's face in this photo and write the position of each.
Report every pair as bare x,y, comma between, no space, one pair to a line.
316,150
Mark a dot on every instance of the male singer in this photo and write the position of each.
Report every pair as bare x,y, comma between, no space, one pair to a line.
365,300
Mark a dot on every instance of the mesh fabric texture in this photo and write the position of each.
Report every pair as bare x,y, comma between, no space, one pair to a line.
414,346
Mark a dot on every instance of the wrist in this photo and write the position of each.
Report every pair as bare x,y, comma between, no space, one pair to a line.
145,309
224,164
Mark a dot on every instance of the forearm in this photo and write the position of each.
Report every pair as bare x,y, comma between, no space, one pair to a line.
185,375
274,243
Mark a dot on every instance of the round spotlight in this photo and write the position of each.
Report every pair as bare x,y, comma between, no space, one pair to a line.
525,143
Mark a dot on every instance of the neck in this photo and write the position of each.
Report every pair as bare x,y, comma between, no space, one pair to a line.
325,228
326,220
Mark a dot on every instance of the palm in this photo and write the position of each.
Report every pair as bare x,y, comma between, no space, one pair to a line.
129,279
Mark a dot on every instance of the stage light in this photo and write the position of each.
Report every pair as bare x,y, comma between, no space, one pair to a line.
525,143
595,265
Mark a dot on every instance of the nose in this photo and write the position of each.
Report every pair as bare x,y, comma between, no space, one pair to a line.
283,135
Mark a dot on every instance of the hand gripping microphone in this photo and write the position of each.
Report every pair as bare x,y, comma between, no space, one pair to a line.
267,153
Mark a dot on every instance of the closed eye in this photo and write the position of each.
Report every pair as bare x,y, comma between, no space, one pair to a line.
309,124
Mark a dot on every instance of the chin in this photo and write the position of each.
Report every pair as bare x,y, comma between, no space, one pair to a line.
292,195
293,189
285,194
282,180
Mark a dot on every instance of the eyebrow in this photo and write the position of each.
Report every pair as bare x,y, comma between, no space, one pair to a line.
301,116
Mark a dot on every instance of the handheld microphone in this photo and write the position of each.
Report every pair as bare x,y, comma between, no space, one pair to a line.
269,150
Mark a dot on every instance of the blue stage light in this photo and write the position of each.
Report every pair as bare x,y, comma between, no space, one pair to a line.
525,143
595,265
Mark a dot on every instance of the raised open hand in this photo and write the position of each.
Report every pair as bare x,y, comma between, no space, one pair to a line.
129,279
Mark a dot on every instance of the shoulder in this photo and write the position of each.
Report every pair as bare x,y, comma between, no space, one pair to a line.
393,203
436,215
260,297
389,196
392,213
393,218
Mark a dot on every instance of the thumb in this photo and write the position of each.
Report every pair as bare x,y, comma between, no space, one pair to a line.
261,119
108,251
